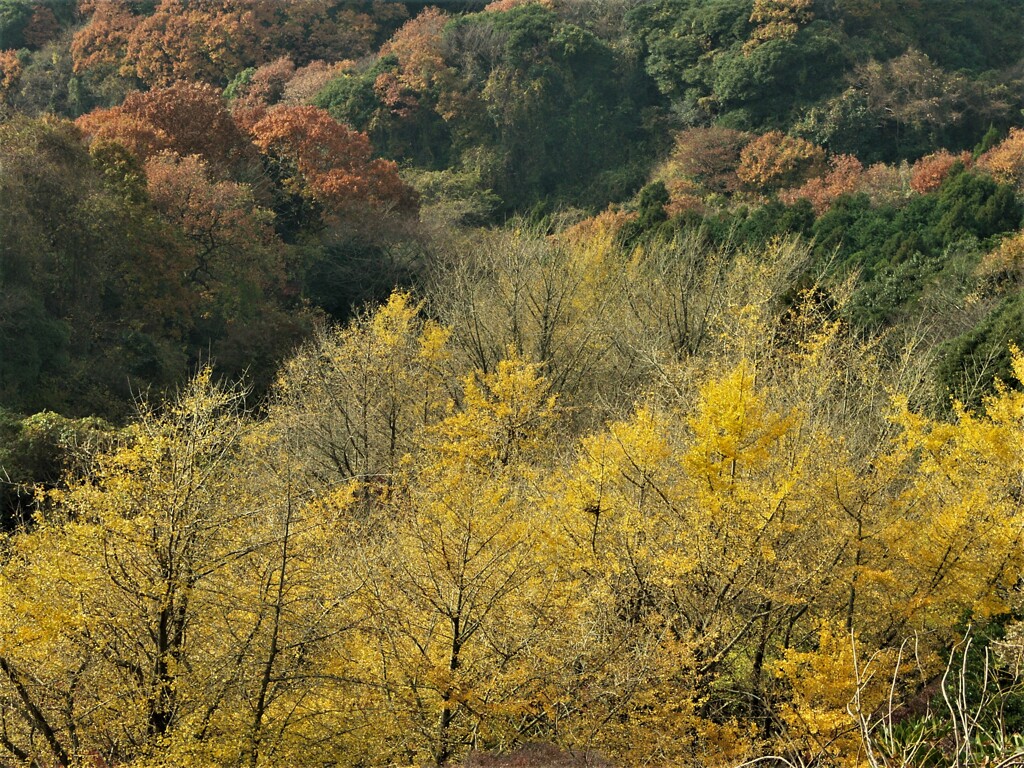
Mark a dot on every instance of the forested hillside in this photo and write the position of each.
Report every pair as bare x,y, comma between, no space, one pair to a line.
533,382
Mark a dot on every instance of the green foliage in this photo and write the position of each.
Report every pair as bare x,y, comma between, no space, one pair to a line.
992,137
412,131
349,99
14,16
33,348
551,107
970,363
972,35
33,23
706,59
49,84
102,293
975,205
454,197
651,202
41,451
681,37
751,226
350,272
238,83
771,85
898,251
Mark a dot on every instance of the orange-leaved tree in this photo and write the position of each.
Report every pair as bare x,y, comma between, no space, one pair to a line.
418,48
187,118
928,173
843,176
330,162
10,73
775,160
211,41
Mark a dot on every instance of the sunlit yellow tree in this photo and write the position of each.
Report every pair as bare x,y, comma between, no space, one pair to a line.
456,582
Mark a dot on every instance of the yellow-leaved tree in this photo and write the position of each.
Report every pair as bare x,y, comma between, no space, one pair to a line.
961,515
456,581
178,603
355,398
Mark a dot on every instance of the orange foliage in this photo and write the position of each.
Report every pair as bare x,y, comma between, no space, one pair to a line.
104,40
417,46
269,80
133,133
608,223
928,173
775,161
707,156
350,34
335,163
684,196
1005,161
188,118
844,176
265,87
10,72
280,82
211,40
185,41
224,229
212,213
508,5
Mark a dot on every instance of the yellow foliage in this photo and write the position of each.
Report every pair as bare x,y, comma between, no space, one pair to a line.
960,520
824,689
775,160
1006,260
403,562
1005,161
733,429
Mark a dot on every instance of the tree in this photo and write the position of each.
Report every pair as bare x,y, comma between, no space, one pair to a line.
774,161
457,592
778,20
194,609
25,24
362,394
928,173
533,102
144,538
419,49
329,162
694,528
64,256
707,156
188,118
554,303
916,97
843,177
962,543
1005,161
10,72
209,41
234,255
103,42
